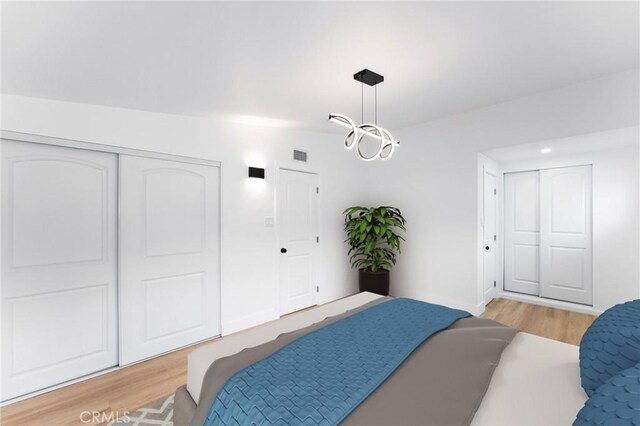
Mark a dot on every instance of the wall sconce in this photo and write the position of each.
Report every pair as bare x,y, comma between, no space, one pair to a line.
255,172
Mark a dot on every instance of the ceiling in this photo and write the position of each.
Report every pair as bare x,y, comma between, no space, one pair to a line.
290,64
575,145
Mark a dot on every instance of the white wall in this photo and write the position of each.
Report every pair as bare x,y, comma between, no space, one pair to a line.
432,177
616,216
249,249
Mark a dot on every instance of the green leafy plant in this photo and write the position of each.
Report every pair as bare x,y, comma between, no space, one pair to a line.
371,234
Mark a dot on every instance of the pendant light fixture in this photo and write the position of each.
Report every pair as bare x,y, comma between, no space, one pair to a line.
384,139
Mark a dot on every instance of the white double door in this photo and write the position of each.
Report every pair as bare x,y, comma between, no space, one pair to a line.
62,292
548,233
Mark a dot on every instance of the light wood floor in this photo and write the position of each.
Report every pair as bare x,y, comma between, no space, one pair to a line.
137,386
122,390
555,324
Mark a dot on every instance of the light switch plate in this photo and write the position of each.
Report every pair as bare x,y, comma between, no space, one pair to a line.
269,221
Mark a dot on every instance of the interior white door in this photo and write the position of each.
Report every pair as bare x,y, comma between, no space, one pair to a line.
59,265
565,234
298,229
489,249
522,232
169,255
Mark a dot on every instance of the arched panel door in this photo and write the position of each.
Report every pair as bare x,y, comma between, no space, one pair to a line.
169,255
522,232
298,229
565,234
59,265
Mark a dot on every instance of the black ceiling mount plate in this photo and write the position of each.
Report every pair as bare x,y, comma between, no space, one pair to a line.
368,77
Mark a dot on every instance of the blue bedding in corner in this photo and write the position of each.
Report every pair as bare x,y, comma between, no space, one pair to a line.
324,375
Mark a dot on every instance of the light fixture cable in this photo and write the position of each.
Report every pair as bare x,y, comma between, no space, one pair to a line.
361,102
356,135
376,113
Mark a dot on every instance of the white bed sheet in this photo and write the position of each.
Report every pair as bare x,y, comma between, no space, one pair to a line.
536,383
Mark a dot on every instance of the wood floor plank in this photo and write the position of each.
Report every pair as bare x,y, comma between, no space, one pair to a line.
139,385
123,390
556,324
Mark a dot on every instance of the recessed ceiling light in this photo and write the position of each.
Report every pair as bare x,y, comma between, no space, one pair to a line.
545,150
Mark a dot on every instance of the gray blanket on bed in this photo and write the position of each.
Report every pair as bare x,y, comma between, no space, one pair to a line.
441,383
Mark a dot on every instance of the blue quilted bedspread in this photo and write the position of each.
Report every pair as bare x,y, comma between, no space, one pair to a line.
322,376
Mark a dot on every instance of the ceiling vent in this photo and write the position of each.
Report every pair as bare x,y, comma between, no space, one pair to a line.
299,155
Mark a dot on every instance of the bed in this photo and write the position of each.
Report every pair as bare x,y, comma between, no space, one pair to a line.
535,382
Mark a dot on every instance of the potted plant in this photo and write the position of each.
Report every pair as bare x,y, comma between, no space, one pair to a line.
373,244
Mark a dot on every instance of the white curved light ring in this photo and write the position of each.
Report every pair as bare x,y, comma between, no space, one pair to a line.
361,155
357,133
350,139
343,120
388,147
370,130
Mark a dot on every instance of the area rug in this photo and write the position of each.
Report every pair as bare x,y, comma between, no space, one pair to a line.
159,413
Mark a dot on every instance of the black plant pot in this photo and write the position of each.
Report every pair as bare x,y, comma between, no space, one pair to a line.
375,282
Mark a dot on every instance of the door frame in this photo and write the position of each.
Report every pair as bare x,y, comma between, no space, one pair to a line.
277,228
91,146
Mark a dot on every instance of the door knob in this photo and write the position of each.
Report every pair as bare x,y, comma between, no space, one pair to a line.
486,248
283,250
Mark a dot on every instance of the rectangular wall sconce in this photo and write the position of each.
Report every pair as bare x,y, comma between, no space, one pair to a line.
255,172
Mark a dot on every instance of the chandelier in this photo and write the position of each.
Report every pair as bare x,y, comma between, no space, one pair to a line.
357,134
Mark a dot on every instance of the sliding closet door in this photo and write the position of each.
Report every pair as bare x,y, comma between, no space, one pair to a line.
59,265
522,232
169,255
565,237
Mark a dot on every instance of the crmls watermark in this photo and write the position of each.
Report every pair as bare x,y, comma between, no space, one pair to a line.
102,417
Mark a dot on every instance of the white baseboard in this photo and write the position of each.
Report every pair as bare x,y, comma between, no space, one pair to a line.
550,303
335,295
479,309
249,321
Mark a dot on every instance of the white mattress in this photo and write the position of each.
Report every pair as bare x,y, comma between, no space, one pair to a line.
536,383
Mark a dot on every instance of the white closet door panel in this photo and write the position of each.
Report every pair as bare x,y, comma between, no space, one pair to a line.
76,216
59,265
526,261
522,232
298,228
31,334
565,242
178,198
169,255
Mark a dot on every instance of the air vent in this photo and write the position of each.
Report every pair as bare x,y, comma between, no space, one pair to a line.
299,155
